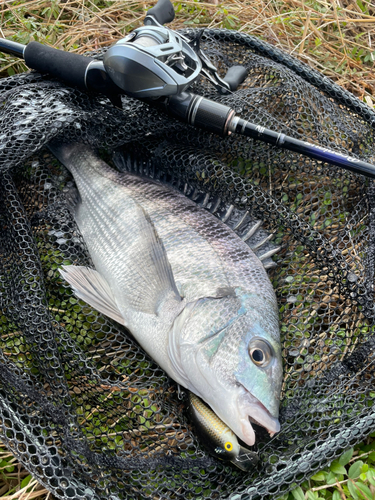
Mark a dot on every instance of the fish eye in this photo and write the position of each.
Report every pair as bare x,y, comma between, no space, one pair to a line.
228,446
260,352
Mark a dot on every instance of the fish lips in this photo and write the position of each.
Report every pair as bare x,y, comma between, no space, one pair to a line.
240,408
250,409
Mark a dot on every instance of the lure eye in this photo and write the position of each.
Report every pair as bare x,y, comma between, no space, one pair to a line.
260,352
228,446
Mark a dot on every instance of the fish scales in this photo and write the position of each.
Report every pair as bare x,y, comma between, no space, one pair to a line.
186,231
188,288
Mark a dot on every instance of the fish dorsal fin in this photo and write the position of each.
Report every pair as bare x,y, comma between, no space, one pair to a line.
91,287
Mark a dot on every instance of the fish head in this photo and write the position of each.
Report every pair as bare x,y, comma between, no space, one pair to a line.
230,355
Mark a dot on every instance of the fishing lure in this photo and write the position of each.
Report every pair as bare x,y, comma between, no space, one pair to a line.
216,436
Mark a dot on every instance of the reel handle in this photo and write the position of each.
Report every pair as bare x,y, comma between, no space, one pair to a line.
162,12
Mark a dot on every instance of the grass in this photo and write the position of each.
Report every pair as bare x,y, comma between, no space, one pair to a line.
337,37
352,476
16,482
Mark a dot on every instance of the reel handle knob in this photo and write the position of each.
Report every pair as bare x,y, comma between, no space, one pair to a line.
163,12
235,76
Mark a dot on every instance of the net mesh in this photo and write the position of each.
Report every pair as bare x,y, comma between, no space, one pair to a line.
82,406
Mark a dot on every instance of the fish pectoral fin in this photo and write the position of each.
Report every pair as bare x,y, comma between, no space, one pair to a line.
73,198
149,285
91,287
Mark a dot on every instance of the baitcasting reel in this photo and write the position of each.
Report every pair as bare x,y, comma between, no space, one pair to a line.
163,62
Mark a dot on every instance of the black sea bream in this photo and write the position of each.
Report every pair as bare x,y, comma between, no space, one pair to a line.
192,293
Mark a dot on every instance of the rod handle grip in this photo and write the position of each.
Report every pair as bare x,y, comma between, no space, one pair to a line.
67,66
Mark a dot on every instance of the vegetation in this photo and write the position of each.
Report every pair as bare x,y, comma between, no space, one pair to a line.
352,476
337,37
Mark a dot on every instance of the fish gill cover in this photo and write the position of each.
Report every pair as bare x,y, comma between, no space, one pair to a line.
81,405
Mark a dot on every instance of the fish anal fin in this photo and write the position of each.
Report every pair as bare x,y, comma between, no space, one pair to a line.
91,287
72,197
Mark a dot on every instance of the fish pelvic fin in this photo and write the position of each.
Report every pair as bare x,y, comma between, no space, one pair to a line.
91,287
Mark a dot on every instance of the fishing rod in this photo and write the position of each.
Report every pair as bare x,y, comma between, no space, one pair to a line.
156,64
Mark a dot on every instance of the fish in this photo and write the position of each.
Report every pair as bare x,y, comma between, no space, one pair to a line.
219,440
187,287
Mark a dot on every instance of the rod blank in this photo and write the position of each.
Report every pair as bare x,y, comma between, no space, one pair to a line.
14,48
283,141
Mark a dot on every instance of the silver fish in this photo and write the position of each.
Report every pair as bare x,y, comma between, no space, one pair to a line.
192,293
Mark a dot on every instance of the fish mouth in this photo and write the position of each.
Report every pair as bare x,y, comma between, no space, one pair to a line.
252,410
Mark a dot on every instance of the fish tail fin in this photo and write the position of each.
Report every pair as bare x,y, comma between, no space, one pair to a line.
66,152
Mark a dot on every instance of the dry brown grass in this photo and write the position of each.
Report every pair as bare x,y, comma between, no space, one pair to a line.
336,37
